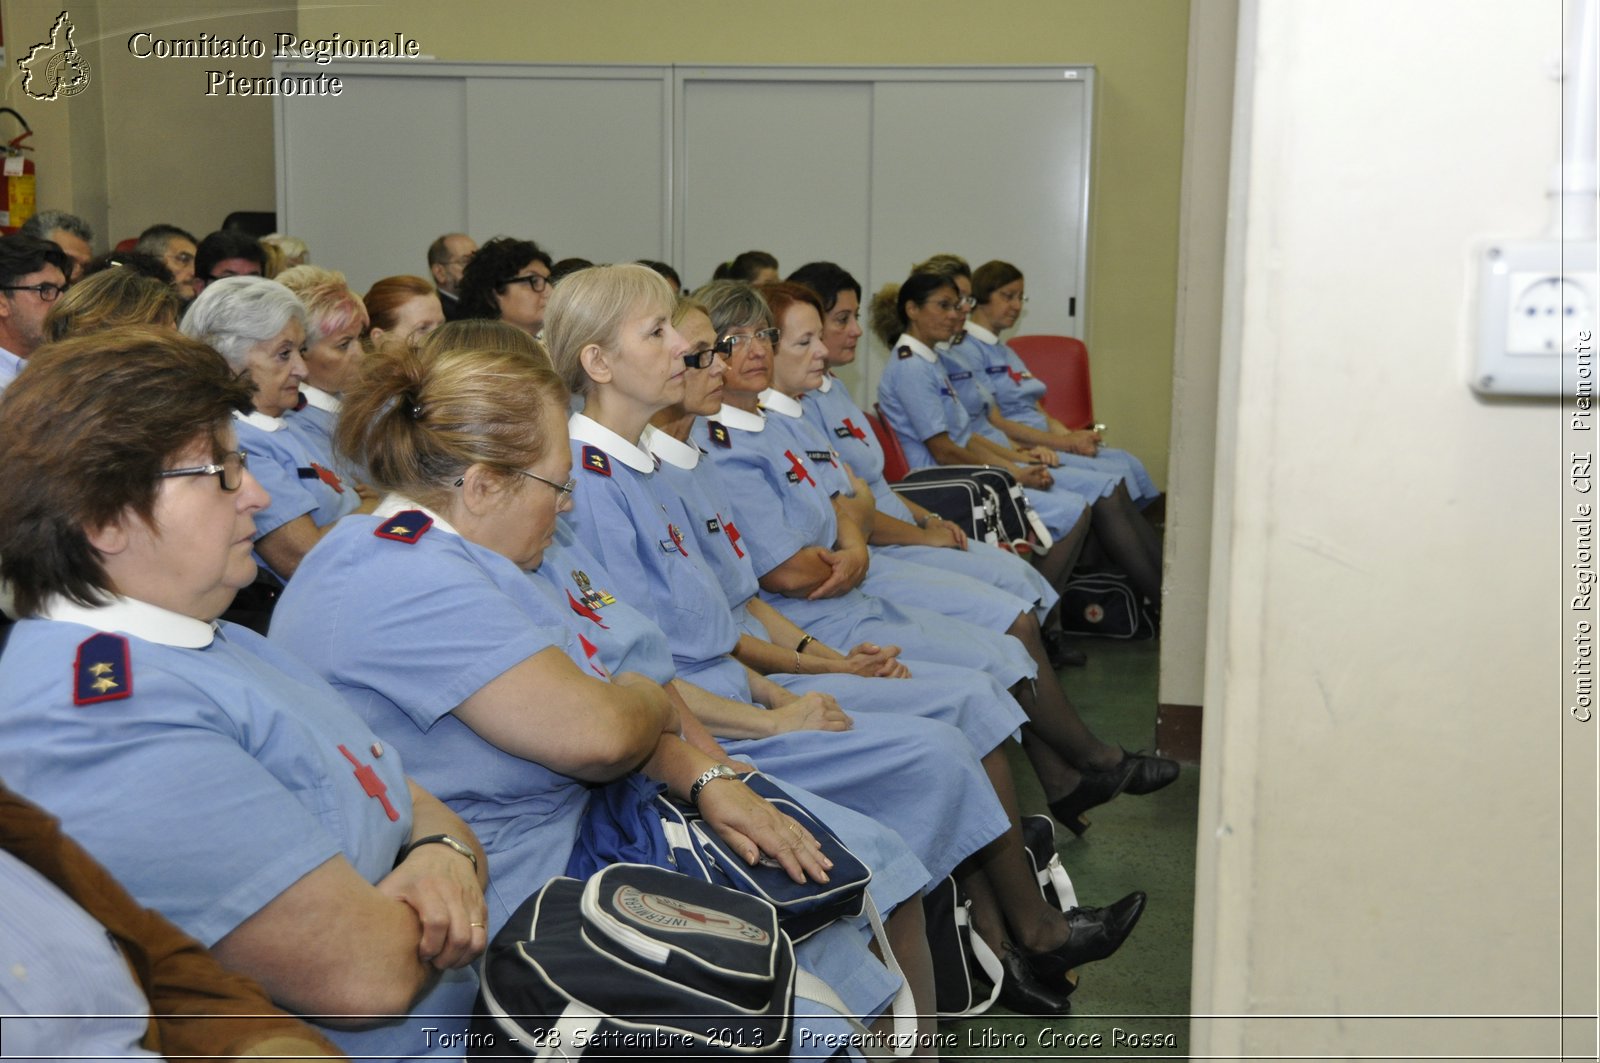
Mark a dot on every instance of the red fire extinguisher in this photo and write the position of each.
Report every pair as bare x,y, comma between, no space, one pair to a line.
18,182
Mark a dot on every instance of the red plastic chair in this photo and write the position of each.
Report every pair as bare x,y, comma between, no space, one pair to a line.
895,465
124,246
1062,364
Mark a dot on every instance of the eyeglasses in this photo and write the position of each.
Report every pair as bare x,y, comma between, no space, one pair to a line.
729,343
230,472
966,302
1012,297
533,280
701,358
563,491
46,292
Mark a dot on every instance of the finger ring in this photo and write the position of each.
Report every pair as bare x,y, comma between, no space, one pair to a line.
795,827
475,924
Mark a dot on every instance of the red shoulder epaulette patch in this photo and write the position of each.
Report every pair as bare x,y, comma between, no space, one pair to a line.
101,671
406,527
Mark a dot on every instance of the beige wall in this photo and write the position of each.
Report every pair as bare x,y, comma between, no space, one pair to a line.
1381,797
143,143
1137,46
1208,122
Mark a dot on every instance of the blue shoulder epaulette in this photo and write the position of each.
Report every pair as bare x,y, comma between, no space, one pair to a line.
404,527
101,672
719,433
595,460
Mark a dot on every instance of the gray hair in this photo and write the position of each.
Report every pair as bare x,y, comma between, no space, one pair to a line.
733,304
236,313
46,222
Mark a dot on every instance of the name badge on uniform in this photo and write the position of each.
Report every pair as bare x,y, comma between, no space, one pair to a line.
996,370
965,374
317,472
822,455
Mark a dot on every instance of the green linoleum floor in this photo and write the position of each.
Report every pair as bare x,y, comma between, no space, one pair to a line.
1142,993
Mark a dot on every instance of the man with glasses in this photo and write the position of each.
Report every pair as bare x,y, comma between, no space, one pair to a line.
33,272
447,260
176,248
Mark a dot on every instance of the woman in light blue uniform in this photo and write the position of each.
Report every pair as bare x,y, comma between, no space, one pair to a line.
610,336
998,294
424,617
260,328
335,320
920,403
232,789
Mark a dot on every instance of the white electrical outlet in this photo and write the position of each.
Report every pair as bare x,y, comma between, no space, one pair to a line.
1536,317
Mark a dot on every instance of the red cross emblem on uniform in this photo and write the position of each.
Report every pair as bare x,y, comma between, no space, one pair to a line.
798,473
1016,377
371,785
858,433
328,477
584,611
589,651
733,535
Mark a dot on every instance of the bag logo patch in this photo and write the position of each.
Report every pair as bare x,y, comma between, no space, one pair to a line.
670,914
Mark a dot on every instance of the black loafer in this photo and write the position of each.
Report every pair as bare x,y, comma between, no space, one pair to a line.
1023,994
1096,934
1062,653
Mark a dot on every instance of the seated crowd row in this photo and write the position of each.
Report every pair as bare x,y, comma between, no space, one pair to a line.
591,531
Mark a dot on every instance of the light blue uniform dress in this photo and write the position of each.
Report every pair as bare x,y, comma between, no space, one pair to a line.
65,987
833,413
209,771
919,402
966,698
788,511
879,768
915,581
315,422
406,619
300,479
1017,394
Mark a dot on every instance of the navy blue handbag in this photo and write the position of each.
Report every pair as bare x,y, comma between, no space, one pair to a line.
633,820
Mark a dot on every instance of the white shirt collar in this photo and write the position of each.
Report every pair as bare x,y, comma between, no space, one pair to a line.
132,617
322,400
778,402
10,365
920,349
979,332
743,420
586,429
393,504
670,449
257,419
827,383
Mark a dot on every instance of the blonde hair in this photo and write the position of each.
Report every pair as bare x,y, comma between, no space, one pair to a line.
417,419
283,252
591,306
330,304
112,297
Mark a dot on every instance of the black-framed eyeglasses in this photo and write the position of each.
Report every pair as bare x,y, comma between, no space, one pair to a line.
702,357
562,490
229,472
46,291
538,282
730,343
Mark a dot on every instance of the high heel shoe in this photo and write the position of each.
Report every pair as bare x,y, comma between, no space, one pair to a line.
1135,773
1096,934
1023,994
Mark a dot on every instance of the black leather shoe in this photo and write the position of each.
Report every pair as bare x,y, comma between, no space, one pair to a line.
1062,653
1023,994
1096,934
1097,788
1149,773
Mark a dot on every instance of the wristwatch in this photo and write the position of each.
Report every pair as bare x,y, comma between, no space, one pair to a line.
721,771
